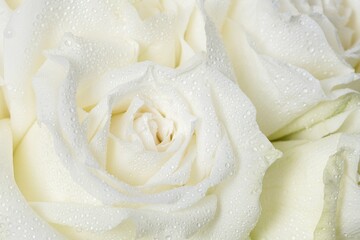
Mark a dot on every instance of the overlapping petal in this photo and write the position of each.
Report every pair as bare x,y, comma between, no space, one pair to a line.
339,115
4,113
317,193
18,220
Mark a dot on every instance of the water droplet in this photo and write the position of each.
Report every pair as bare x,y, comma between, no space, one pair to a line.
8,33
68,42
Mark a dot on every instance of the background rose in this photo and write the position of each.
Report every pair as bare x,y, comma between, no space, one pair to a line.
339,21
299,82
62,164
295,76
282,62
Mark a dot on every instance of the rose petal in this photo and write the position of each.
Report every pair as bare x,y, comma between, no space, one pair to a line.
105,220
217,56
96,125
217,11
238,195
328,117
5,14
334,169
348,219
292,201
125,159
312,179
4,113
49,109
339,219
17,219
50,181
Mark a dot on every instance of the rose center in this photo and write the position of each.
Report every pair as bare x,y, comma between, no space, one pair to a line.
142,139
144,124
154,130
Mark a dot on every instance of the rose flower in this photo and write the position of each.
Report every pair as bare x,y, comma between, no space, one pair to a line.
101,144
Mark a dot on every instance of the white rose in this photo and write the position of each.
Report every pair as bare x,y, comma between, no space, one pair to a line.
339,21
283,62
296,77
142,151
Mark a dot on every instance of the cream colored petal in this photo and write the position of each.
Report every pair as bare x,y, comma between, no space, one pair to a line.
333,172
340,218
17,219
293,190
39,26
238,196
4,113
5,13
108,222
195,35
96,127
348,217
340,115
218,11
355,19
173,44
217,56
39,171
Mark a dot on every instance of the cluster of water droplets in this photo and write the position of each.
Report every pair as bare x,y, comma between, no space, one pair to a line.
14,219
290,36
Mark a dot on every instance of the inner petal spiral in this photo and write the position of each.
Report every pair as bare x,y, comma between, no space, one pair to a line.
143,140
